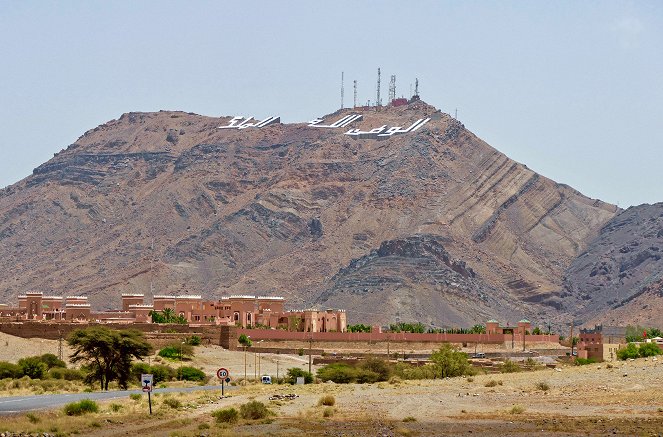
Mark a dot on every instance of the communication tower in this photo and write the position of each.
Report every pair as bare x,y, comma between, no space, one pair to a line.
392,89
378,102
416,87
342,89
355,101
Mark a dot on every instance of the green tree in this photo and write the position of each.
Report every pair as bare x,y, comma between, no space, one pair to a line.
536,331
630,351
244,340
167,316
108,353
634,333
450,361
649,350
295,372
478,329
33,367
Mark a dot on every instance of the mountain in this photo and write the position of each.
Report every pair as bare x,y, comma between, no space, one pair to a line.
432,225
619,276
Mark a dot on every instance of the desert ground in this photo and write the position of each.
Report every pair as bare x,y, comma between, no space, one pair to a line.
623,399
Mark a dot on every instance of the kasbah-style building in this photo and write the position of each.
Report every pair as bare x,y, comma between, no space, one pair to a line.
242,311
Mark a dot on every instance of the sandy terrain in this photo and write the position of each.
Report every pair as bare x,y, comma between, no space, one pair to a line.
626,399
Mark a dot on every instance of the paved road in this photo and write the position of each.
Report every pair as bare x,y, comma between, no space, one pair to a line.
18,404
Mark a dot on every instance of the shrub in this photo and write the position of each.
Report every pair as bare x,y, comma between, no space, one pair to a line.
191,374
173,403
408,371
300,352
137,369
327,400
493,383
162,373
177,351
409,419
10,370
649,350
378,366
115,407
584,361
32,418
509,367
364,376
82,407
543,386
194,340
295,372
517,409
33,367
226,415
339,373
135,396
51,361
328,412
449,361
630,351
253,410
203,426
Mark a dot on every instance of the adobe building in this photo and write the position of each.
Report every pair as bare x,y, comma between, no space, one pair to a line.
244,311
601,343
523,327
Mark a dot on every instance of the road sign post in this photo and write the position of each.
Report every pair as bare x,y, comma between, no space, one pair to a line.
147,380
223,375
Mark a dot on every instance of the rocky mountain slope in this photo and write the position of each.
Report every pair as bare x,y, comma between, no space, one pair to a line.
619,277
433,225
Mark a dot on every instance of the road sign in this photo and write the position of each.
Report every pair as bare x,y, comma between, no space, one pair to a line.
228,380
146,381
222,373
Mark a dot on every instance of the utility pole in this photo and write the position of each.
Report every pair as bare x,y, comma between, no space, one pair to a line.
310,346
59,343
571,340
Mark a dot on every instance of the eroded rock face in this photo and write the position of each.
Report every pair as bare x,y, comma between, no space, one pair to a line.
167,198
621,271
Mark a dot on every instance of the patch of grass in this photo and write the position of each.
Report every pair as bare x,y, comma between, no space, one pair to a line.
173,403
609,366
542,385
470,379
328,412
115,407
203,425
409,419
254,410
510,367
327,400
33,418
517,409
135,396
84,406
493,383
226,415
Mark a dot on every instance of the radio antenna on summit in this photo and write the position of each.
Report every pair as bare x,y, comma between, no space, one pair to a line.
392,89
342,89
355,85
416,87
378,102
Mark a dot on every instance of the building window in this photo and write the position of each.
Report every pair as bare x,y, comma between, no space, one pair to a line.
237,317
196,318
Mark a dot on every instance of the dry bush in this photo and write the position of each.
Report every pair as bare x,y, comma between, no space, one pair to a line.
327,400
517,409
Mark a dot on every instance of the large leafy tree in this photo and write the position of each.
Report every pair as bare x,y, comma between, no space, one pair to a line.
449,361
108,353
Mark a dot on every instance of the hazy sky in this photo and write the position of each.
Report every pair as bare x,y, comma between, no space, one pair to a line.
572,89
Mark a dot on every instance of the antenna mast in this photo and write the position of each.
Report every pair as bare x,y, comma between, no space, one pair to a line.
377,101
342,89
416,87
355,85
392,89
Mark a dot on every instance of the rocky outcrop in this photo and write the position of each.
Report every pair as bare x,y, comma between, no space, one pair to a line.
621,270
